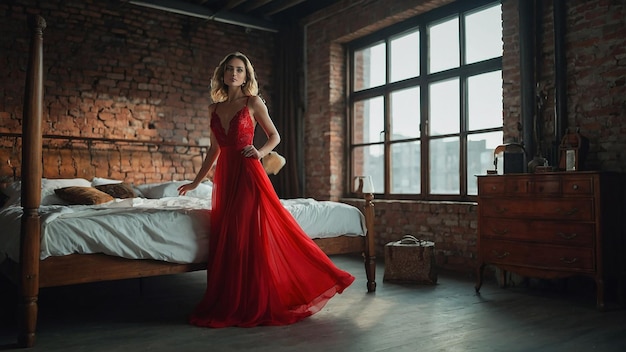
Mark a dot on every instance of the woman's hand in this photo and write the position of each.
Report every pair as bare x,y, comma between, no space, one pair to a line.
182,190
250,151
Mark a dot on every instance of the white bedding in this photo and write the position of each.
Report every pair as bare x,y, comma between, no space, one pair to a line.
173,229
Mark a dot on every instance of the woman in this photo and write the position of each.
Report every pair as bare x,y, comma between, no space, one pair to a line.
262,268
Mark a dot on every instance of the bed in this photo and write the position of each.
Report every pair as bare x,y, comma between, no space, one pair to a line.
34,265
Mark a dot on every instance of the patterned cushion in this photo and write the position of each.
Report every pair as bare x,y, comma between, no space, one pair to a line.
117,190
48,185
82,195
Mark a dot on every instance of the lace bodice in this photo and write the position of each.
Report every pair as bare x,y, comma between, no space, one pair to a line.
239,132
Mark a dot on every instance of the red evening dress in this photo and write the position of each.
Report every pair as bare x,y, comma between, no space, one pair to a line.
262,268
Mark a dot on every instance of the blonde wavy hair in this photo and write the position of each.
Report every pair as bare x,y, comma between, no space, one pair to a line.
219,90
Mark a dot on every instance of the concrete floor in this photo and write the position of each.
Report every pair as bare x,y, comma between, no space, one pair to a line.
150,315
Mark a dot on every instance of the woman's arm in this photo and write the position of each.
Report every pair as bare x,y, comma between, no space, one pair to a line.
259,113
211,156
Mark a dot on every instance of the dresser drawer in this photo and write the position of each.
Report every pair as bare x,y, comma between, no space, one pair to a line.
496,185
578,186
572,209
492,185
550,232
538,256
545,185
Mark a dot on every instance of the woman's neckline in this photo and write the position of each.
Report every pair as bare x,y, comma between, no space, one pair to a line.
233,100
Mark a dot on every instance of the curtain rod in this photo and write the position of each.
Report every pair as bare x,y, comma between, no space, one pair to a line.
198,11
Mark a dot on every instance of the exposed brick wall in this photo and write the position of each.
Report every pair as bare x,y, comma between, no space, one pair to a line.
596,72
119,71
512,115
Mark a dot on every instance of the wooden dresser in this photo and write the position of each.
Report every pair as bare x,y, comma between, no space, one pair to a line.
552,225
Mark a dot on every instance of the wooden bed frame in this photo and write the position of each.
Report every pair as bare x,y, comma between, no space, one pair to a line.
31,273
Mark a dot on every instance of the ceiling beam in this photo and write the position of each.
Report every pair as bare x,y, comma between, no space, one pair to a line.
188,9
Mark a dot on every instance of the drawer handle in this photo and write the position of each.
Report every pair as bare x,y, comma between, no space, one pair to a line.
500,232
499,255
567,212
575,187
568,261
567,236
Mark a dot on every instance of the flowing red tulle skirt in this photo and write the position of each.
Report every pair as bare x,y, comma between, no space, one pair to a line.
262,268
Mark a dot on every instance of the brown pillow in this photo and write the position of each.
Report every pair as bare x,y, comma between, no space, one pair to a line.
117,190
82,195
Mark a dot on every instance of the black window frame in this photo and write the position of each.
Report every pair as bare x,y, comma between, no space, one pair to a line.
463,71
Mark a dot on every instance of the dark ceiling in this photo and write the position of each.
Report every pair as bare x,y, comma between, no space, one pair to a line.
259,14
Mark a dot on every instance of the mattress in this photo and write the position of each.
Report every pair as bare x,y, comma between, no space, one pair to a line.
172,228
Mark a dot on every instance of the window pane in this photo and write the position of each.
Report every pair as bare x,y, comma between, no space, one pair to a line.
483,34
368,122
480,149
405,56
444,107
405,168
484,101
405,113
443,46
369,160
369,67
444,166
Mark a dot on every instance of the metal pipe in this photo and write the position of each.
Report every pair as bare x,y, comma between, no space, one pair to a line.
193,10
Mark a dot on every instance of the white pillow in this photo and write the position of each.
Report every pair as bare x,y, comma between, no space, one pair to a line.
48,185
98,181
13,189
170,189
14,193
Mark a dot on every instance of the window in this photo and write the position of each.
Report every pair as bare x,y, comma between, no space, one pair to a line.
426,102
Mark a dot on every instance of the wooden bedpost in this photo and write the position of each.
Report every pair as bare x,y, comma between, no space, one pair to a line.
369,255
370,244
31,187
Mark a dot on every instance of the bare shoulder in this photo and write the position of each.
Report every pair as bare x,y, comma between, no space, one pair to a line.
212,108
257,107
256,102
